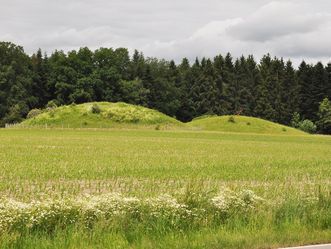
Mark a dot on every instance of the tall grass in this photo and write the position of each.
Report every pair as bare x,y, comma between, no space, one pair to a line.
151,222
57,189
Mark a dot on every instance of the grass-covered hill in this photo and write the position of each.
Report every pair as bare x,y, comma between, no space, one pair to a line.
241,124
122,115
101,115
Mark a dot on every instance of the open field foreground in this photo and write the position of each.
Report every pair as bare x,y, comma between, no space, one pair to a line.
111,188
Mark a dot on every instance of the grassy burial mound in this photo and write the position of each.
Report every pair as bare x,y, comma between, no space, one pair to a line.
242,124
102,115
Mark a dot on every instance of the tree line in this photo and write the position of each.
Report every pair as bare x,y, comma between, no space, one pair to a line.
271,89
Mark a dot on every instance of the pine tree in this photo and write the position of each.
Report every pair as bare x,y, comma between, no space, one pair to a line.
290,94
328,71
194,93
185,110
229,83
264,107
137,66
318,89
207,89
305,73
253,79
223,106
40,80
276,90
242,88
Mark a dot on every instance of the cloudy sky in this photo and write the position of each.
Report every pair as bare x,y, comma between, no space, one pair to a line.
172,29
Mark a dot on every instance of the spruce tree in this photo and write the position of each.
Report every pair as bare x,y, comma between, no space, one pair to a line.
223,105
39,80
229,83
328,71
253,79
207,89
318,89
290,94
264,102
305,73
185,110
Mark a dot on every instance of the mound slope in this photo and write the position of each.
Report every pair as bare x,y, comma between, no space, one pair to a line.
108,115
242,124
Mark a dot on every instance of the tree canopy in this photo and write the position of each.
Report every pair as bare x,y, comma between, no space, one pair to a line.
271,88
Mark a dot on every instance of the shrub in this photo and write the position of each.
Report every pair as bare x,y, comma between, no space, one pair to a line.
284,129
51,104
307,126
34,112
16,113
248,123
134,120
52,113
228,203
231,119
324,114
295,122
95,109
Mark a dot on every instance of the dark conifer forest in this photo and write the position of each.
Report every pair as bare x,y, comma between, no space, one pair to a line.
271,88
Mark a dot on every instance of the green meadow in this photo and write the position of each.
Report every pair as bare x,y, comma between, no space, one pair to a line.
114,175
287,178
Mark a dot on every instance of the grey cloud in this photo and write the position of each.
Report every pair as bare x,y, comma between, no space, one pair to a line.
172,29
277,19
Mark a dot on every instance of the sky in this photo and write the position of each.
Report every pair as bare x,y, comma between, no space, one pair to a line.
173,29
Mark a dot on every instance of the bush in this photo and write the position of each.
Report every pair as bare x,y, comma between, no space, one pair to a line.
95,109
52,113
307,126
34,112
51,104
324,114
231,119
295,122
16,113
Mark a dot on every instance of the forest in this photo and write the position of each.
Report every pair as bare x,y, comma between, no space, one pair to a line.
271,88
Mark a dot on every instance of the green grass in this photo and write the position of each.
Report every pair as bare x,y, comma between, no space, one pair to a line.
242,124
120,115
48,155
291,172
225,237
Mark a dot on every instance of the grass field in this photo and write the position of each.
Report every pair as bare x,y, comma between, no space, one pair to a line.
190,189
